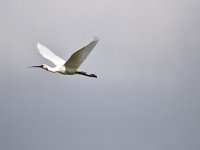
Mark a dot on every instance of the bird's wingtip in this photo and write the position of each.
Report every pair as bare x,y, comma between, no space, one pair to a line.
96,38
39,46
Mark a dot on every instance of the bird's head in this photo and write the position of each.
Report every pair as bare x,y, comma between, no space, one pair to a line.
45,67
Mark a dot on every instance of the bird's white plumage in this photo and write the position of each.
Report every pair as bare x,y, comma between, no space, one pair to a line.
72,64
79,56
46,53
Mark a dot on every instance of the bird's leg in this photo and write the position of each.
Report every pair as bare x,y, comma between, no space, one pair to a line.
93,75
85,74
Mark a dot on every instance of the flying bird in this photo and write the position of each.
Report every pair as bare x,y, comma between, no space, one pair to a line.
69,67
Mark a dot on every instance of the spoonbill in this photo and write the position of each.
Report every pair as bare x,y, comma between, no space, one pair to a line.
69,67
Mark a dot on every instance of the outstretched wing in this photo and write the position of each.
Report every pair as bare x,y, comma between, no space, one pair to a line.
79,56
46,53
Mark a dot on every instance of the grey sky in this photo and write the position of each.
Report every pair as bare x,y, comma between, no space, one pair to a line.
146,96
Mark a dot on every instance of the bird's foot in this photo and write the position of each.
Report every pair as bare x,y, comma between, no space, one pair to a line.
93,75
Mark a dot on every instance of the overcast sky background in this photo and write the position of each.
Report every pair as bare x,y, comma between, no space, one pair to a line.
146,96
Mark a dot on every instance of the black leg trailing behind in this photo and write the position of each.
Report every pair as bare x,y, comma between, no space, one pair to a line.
85,74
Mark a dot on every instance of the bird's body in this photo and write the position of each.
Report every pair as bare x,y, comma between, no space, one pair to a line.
69,67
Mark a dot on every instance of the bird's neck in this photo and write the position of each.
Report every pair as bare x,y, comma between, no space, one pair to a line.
51,69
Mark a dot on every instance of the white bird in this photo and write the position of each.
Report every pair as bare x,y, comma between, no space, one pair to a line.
69,67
